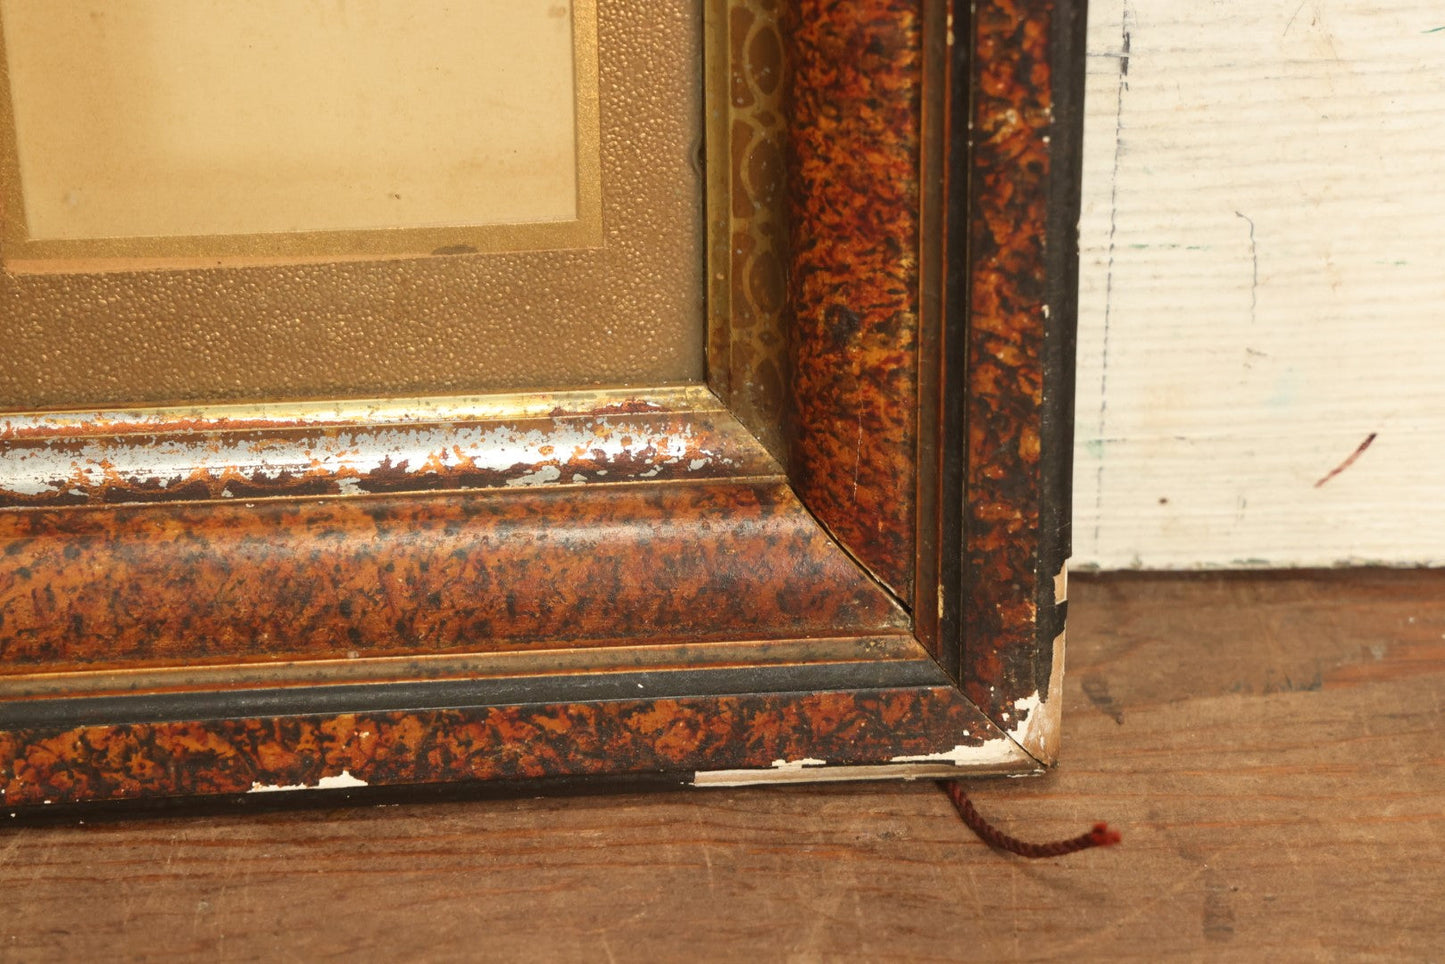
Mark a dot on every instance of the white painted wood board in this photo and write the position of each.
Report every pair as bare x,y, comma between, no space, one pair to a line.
1262,282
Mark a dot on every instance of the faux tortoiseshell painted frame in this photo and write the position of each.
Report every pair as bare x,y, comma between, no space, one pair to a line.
210,602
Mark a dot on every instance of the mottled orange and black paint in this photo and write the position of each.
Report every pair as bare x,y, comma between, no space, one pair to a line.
638,736
164,585
855,127
1017,307
705,546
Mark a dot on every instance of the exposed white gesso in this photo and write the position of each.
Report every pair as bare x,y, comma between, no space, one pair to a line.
1262,282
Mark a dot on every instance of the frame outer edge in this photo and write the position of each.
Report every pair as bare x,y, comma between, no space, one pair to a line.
1023,259
1067,46
641,737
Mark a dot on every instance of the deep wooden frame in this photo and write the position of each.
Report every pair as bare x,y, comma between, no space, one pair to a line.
619,583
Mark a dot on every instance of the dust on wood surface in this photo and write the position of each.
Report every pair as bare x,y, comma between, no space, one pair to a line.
1269,744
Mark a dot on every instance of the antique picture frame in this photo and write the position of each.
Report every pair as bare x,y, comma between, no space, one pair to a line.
841,556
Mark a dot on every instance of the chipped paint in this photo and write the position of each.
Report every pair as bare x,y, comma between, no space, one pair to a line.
998,752
367,458
1024,713
839,774
341,781
1036,726
902,768
798,764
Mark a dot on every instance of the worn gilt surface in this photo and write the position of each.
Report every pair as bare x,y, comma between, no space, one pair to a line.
749,318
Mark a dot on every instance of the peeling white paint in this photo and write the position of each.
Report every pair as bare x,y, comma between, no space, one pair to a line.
1025,711
991,753
1037,726
341,781
806,761
31,486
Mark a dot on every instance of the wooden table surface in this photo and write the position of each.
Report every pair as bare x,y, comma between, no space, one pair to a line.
1270,745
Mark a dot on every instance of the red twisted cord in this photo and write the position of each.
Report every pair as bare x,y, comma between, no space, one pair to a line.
1099,836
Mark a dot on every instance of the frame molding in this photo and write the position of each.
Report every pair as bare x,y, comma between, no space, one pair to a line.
210,602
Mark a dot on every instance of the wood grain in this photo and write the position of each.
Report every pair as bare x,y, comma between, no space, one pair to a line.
1262,264
1269,744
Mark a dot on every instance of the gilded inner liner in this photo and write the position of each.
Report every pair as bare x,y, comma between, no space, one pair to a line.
748,215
